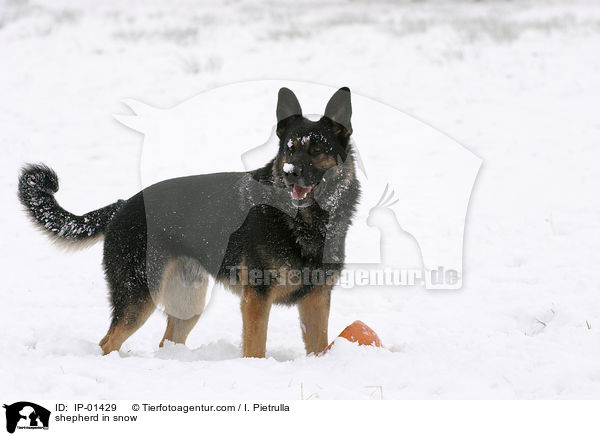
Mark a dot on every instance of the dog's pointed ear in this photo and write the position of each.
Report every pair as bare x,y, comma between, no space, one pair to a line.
339,110
287,107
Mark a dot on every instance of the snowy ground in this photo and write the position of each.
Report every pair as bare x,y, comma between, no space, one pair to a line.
517,83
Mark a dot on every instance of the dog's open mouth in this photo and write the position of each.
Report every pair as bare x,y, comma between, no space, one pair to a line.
301,192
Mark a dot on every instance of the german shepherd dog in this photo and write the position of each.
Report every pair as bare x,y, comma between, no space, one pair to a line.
275,235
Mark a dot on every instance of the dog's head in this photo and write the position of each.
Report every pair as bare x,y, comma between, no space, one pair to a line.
312,153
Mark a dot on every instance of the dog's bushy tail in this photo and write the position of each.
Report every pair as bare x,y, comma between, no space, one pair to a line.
37,186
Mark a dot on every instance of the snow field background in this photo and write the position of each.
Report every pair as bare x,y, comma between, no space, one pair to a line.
517,83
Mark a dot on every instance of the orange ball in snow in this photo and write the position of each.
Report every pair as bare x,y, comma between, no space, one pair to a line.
361,333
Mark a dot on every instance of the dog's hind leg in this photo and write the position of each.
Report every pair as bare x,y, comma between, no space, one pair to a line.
178,329
130,269
182,295
126,321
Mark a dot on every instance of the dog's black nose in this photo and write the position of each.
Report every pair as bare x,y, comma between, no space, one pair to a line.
296,171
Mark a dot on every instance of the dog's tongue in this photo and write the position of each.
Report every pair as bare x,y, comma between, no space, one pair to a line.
300,192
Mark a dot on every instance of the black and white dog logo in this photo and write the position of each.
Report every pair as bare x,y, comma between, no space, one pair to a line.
26,415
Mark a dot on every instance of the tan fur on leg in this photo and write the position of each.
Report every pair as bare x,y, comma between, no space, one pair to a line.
255,317
178,329
314,318
132,319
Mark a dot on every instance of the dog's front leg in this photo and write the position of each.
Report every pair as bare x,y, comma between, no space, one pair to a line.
314,318
255,319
